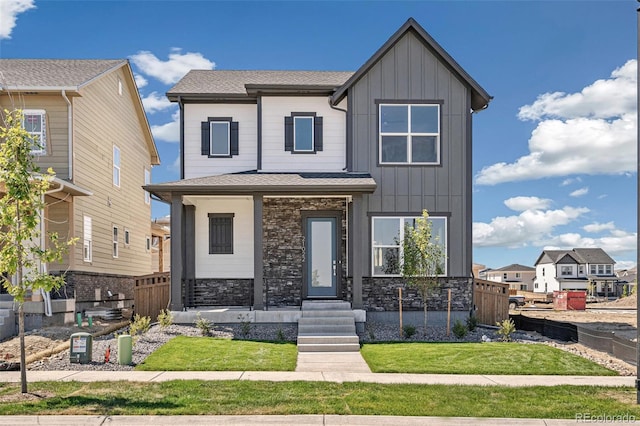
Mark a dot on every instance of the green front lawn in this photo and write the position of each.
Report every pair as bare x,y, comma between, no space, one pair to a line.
208,354
182,397
477,358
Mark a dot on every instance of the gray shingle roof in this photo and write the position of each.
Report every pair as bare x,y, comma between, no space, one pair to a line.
52,73
225,82
515,267
580,255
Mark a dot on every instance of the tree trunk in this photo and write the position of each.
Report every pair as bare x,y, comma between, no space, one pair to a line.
424,306
23,352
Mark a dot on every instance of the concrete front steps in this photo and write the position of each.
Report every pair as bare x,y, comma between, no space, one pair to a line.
327,326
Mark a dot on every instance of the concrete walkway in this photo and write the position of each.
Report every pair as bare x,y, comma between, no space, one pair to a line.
331,361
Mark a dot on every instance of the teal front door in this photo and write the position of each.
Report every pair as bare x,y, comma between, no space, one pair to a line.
321,257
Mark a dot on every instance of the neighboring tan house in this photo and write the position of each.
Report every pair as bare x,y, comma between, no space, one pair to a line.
161,244
297,185
91,124
519,277
589,269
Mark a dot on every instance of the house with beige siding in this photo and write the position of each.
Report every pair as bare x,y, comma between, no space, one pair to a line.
519,277
93,132
296,186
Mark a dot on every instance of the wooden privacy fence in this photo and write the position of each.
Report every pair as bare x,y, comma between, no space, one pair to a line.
491,300
151,294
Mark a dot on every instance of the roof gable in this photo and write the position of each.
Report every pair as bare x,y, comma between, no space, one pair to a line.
479,97
594,255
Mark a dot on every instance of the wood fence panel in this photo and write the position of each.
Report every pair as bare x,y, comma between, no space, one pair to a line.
491,300
151,294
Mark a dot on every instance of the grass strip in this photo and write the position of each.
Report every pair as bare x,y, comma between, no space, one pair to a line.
185,353
478,358
195,397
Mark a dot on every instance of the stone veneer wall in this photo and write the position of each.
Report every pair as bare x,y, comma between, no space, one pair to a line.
223,292
381,294
92,287
284,247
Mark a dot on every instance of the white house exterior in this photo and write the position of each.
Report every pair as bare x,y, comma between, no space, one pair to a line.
519,277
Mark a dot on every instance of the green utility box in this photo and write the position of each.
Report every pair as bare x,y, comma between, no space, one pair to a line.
81,348
125,348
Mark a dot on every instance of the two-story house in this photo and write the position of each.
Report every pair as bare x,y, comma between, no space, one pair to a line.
92,130
589,269
297,185
519,277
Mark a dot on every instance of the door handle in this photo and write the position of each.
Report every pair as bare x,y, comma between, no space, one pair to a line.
334,268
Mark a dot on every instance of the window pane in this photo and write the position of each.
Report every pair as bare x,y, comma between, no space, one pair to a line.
423,149
303,130
386,231
393,119
424,119
394,149
438,229
33,123
386,261
219,138
116,156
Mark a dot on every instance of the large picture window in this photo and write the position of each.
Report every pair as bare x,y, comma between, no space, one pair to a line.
387,236
409,133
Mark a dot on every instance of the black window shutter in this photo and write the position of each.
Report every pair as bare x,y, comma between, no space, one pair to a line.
205,137
220,234
317,133
288,133
234,148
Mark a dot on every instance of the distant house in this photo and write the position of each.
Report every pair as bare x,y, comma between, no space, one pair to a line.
161,244
519,277
589,269
93,131
297,185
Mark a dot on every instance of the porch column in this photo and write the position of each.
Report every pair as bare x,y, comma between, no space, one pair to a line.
358,249
176,253
258,266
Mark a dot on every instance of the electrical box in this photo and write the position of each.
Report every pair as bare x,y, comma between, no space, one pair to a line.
81,348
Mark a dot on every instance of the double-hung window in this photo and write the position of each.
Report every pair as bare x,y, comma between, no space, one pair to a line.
388,235
115,251
566,270
303,133
409,133
34,122
220,137
87,244
116,166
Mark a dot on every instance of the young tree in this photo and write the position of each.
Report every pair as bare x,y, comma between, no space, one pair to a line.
423,258
22,191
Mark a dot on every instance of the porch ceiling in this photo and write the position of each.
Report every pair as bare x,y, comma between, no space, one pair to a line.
250,183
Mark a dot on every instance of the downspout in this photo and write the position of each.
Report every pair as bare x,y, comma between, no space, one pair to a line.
346,166
70,132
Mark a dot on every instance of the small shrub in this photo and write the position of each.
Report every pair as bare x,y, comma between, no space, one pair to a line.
165,319
459,329
203,324
408,331
280,335
245,325
139,325
506,329
472,322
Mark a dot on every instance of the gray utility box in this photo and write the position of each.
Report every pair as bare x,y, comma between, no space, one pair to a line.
81,348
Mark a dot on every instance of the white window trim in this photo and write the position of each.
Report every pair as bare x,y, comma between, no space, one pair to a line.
211,153
127,237
42,136
147,181
401,238
87,243
313,142
408,134
147,240
115,251
117,171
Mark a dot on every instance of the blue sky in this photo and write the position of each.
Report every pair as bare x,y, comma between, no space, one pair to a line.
554,156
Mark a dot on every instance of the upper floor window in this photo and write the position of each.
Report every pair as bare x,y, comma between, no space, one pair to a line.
116,166
303,133
388,235
504,276
409,133
581,269
600,269
220,137
34,122
518,275
566,270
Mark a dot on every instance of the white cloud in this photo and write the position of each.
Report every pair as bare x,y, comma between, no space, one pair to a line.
591,132
140,81
172,70
155,102
9,11
529,227
616,243
625,264
520,204
580,192
175,165
168,132
599,227
569,181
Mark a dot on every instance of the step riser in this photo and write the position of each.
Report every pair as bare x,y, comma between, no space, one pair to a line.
329,348
325,321
327,340
324,329
325,306
329,314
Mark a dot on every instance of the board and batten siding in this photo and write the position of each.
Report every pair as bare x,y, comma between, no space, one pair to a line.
198,165
104,118
276,159
57,128
236,265
411,71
